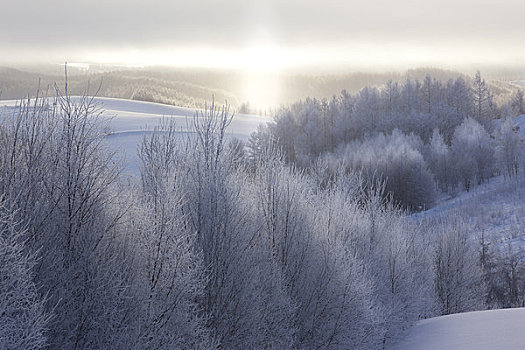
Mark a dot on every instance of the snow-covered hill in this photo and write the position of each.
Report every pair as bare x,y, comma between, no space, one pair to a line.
480,330
131,120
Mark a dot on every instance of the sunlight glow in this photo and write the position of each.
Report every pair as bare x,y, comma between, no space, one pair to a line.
264,62
261,90
266,56
261,64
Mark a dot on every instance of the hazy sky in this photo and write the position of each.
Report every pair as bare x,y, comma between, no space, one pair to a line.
265,34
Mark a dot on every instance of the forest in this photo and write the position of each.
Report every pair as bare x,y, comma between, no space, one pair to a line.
300,238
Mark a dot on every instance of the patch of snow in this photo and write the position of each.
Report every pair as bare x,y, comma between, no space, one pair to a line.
479,330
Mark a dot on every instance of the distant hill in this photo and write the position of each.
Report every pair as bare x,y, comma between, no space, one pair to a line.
193,87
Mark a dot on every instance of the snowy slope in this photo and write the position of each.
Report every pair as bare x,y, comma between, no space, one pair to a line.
496,208
131,120
480,330
518,124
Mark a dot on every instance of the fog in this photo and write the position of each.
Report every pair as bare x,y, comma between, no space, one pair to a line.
269,36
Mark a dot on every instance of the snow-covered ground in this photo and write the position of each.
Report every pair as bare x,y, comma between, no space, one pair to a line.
131,120
518,124
480,330
496,209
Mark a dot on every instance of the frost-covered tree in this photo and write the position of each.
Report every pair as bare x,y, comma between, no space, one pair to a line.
438,158
509,149
484,109
310,129
56,170
367,111
511,275
239,272
460,107
397,260
472,153
518,102
411,93
172,276
24,320
457,272
396,159
350,269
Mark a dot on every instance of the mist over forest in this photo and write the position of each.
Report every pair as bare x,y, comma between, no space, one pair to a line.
193,87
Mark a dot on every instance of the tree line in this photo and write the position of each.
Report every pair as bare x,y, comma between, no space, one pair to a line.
419,137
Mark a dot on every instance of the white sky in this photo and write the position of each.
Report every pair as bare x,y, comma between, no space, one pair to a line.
265,34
